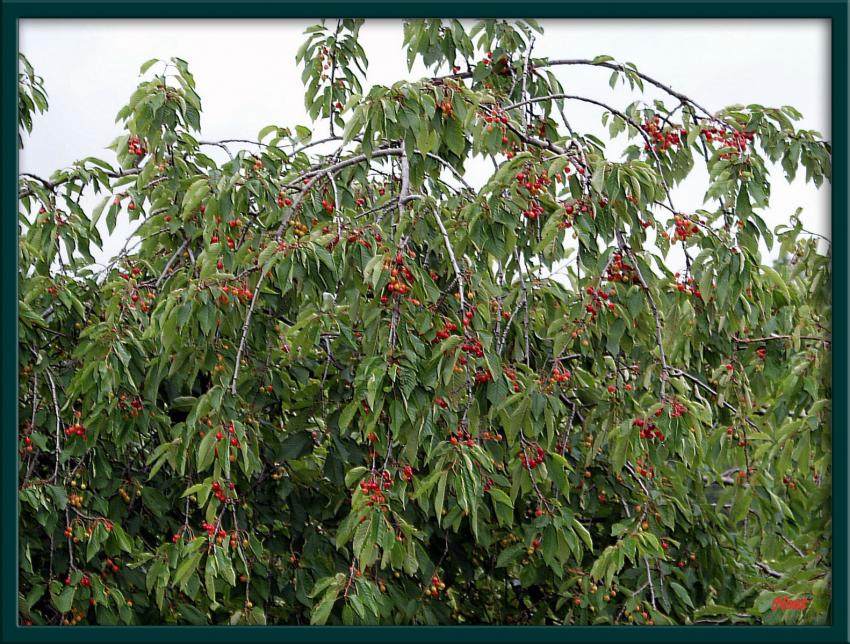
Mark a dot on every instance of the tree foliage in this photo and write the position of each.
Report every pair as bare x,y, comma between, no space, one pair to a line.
329,381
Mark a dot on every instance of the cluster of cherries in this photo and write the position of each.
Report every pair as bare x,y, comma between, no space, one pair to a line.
538,128
397,276
135,271
57,217
299,229
662,138
110,566
219,493
233,440
687,285
467,317
533,211
356,236
526,181
135,404
499,117
598,301
559,375
535,460
620,271
283,200
135,296
572,210
445,107
733,139
407,473
510,374
242,294
76,430
372,489
648,430
473,347
761,352
446,331
683,228
327,206
482,377
211,531
231,243
677,409
436,586
462,437
645,471
134,146
179,533
789,482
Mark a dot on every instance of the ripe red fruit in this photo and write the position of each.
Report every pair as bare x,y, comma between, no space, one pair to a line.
611,389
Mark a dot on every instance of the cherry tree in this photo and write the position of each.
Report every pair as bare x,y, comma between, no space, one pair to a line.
327,380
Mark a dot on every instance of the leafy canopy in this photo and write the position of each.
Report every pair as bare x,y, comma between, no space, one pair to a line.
329,381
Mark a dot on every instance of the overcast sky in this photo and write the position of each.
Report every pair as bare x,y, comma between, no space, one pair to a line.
247,78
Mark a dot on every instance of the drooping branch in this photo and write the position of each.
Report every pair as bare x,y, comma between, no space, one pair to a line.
650,147
609,65
52,185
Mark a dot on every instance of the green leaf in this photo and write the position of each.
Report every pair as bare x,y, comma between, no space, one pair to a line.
147,65
583,533
322,611
64,600
439,498
186,568
682,594
741,505
206,451
97,212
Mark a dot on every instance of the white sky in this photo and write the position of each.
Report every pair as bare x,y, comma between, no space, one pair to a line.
247,78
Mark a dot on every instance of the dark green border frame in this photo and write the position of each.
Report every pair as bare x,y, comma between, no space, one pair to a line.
835,10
